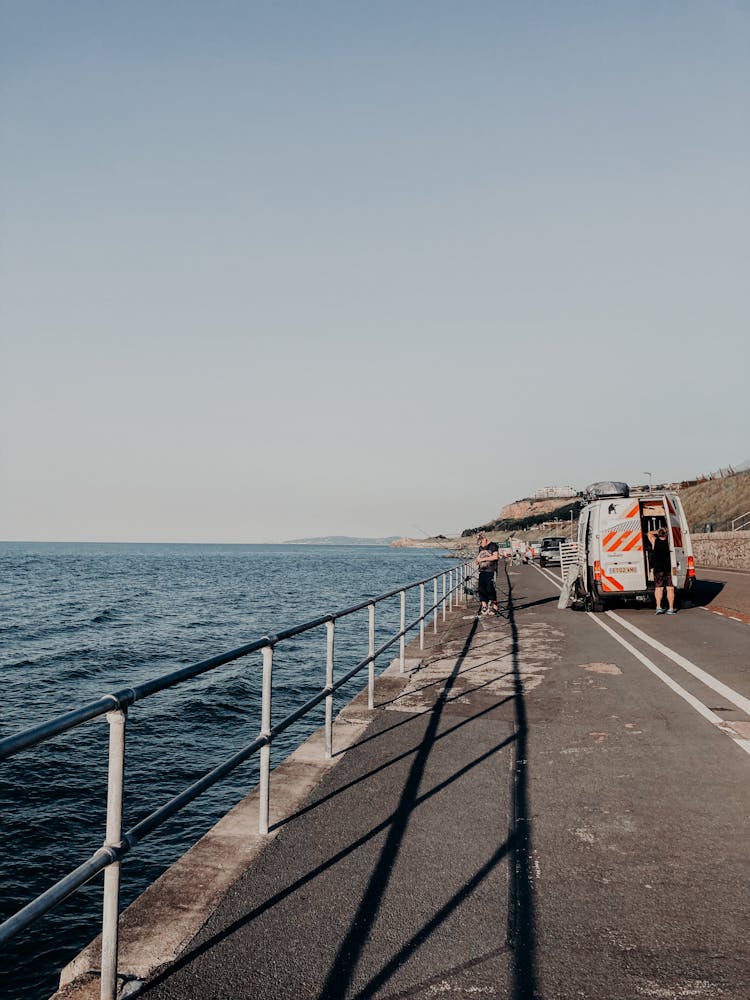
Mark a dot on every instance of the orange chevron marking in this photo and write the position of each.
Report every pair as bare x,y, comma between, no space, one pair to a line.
608,538
620,540
633,512
610,584
634,543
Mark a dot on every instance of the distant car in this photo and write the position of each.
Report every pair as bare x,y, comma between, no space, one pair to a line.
549,550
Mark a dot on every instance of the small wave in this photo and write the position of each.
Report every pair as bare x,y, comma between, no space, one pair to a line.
105,616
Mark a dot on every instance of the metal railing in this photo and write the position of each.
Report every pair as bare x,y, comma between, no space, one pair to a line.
742,522
448,588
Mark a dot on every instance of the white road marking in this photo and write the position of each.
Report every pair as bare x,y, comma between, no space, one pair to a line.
739,700
698,705
549,575
726,692
695,702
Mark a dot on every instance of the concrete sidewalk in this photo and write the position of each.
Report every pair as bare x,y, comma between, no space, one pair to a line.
395,873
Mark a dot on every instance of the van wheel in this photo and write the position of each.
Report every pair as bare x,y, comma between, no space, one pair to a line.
593,601
686,595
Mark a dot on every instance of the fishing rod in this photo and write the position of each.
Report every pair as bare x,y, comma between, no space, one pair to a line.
453,553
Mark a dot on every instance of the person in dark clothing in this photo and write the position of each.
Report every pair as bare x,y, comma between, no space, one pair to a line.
486,562
661,564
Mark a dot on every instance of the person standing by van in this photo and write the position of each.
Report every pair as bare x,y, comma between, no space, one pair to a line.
487,562
661,564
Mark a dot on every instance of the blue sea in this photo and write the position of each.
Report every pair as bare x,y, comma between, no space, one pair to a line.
81,620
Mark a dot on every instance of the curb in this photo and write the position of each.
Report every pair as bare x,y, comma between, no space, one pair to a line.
159,925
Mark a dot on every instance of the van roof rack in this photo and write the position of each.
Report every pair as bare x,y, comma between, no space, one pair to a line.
605,490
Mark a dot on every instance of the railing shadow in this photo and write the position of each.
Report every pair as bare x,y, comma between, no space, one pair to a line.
340,975
521,923
349,952
397,759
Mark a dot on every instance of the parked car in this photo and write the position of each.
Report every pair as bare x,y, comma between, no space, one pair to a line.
549,550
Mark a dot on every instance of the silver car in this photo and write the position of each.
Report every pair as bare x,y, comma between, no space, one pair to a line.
549,551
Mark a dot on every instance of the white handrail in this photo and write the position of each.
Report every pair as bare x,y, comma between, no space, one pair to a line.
745,522
115,707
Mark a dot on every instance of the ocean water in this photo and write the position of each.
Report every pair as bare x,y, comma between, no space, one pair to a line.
81,620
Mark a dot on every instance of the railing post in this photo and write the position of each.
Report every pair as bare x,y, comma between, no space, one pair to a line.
371,654
421,616
330,634
434,604
450,590
265,730
402,641
443,601
111,908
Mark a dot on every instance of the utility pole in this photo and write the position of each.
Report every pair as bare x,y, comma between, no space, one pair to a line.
649,480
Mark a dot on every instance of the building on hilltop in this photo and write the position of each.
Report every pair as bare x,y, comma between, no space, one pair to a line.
555,492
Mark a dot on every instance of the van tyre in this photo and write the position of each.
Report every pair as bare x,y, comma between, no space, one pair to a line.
594,602
686,594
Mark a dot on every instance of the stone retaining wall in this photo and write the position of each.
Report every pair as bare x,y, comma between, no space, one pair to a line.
722,550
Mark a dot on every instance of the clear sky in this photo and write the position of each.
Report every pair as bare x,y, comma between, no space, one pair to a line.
281,269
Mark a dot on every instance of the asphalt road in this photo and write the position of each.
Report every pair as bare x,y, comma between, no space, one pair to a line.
555,804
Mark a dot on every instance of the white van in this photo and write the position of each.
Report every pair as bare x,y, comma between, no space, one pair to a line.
614,557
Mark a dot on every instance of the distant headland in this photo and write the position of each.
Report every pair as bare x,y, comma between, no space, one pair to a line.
341,540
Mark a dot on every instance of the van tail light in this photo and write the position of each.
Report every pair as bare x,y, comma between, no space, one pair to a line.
691,566
597,570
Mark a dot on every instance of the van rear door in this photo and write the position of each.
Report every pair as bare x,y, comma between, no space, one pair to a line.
677,541
665,511
621,534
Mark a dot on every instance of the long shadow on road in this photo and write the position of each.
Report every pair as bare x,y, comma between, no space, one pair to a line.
521,921
521,902
350,949
521,924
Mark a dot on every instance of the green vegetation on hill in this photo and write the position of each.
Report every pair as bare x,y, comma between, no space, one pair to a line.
529,521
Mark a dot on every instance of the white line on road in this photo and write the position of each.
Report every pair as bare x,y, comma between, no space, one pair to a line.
689,698
677,688
549,575
739,700
726,692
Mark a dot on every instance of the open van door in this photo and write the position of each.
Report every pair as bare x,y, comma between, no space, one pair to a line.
622,565
665,511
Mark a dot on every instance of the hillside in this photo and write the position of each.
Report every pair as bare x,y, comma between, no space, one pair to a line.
713,501
341,540
717,501
523,514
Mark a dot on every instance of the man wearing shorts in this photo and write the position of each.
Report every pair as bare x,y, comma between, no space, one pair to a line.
661,564
486,562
